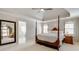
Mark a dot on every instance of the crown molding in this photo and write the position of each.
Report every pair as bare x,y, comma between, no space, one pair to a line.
66,18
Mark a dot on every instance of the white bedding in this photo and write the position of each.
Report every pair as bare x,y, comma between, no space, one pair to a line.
51,36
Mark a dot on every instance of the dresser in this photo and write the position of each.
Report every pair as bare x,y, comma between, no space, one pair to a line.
68,39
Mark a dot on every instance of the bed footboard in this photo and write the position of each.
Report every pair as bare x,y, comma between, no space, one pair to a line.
49,44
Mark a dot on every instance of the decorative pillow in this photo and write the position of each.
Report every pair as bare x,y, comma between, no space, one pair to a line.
55,29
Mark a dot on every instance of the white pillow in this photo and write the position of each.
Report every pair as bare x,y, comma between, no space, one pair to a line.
61,32
53,32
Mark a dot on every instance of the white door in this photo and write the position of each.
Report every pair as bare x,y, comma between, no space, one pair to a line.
22,32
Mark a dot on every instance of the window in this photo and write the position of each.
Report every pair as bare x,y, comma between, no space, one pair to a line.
69,28
45,28
22,31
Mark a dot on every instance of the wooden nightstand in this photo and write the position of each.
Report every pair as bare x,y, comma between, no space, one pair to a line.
68,39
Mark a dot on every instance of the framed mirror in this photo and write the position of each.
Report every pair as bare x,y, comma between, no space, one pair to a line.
8,32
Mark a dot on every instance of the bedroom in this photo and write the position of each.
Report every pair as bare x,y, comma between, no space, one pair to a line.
46,19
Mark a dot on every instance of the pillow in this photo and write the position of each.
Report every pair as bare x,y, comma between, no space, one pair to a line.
61,32
53,32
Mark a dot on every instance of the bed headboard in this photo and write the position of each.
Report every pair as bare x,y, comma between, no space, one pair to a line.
54,29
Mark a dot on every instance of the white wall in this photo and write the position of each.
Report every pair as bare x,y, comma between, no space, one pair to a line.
30,35
10,18
52,24
30,29
76,27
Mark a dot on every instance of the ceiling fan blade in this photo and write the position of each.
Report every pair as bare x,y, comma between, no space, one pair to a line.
35,8
42,8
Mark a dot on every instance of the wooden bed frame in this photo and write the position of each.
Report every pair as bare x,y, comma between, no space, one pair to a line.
55,45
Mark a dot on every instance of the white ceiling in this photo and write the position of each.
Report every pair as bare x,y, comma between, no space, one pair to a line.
37,14
53,14
73,11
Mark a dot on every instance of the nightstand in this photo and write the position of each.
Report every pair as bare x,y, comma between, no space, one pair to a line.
68,39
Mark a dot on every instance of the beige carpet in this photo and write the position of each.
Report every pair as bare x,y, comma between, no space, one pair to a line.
37,47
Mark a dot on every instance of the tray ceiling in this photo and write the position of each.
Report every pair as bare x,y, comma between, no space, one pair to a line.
40,15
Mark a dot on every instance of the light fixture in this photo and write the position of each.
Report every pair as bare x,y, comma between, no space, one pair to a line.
42,10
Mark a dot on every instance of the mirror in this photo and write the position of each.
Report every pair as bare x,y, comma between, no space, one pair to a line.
8,32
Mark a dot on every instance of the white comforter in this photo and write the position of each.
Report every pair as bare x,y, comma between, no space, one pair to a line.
51,37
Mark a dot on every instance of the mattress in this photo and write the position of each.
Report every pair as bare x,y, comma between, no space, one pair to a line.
50,37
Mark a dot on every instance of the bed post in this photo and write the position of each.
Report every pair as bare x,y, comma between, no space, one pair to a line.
58,33
58,27
36,31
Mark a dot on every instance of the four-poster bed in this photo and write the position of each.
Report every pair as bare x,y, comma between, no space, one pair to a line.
55,43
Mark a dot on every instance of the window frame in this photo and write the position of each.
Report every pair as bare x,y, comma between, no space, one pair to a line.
72,33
